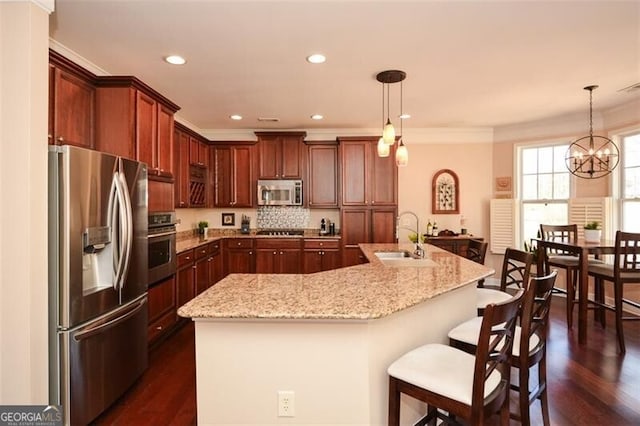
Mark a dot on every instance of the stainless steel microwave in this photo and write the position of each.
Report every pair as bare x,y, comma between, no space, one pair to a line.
284,192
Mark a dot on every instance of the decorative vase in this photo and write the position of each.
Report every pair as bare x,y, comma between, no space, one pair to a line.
203,231
592,235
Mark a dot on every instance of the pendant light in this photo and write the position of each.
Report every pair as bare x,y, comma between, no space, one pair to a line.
592,157
386,78
388,131
402,155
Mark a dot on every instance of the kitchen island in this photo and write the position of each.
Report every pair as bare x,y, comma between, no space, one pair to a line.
328,337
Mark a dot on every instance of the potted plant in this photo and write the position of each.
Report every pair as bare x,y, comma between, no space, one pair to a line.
203,227
592,232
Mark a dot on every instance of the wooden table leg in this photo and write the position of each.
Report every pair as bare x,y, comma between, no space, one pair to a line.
583,293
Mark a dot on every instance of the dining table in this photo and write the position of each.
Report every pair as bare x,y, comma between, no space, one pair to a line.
583,249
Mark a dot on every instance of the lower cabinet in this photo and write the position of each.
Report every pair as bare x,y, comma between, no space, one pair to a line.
162,308
278,256
321,255
239,256
365,225
185,285
454,244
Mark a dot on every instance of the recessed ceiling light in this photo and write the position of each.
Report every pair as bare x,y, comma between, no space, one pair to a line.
404,116
235,117
317,116
175,60
316,58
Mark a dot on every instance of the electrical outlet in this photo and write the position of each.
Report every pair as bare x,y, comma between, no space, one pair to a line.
286,404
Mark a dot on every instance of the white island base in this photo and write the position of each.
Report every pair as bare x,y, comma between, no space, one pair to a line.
336,368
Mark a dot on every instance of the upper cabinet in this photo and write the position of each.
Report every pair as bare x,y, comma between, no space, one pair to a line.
367,180
280,155
233,182
321,189
190,179
198,152
136,122
72,97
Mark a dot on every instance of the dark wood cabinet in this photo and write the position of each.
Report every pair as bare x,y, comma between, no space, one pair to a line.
201,268
239,256
191,170
181,167
321,255
72,96
232,182
216,265
278,256
198,152
136,122
185,287
369,196
455,244
280,155
162,308
367,180
321,189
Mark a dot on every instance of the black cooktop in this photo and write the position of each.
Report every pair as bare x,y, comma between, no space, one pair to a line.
281,232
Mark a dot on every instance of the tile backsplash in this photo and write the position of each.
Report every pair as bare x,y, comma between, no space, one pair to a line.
278,217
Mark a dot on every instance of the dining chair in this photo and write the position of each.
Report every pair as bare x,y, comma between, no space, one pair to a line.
516,266
529,346
455,384
476,252
567,261
624,270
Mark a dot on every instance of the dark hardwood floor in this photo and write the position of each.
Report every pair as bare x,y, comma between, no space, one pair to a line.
588,385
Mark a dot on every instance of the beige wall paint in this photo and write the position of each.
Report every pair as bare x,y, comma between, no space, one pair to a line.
24,42
473,163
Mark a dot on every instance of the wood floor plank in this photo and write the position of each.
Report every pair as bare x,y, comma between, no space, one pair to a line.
588,384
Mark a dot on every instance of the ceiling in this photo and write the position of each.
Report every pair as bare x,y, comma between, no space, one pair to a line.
468,63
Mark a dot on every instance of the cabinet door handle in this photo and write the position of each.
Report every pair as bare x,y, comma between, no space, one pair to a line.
275,253
281,253
187,258
250,252
159,327
194,267
60,139
239,244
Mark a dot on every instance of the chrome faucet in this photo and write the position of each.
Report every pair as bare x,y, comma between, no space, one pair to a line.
419,251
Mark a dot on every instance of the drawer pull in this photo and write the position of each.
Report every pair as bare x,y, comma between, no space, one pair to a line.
159,327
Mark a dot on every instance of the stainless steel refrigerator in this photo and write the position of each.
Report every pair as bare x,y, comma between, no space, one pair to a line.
97,279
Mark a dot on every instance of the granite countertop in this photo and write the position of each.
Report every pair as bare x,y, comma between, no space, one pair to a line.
361,292
187,240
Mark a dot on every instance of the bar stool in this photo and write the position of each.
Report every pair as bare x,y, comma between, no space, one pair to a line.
476,252
625,270
516,267
529,347
470,387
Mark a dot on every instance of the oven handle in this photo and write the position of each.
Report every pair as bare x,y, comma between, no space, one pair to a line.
161,234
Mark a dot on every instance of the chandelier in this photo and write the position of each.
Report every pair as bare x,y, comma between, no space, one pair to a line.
388,131
592,157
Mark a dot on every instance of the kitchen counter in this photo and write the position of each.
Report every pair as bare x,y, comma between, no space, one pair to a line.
362,292
327,337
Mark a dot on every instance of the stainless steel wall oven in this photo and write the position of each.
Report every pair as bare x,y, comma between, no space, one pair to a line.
161,246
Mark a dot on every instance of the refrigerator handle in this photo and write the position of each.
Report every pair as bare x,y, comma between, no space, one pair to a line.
128,218
121,225
112,215
84,334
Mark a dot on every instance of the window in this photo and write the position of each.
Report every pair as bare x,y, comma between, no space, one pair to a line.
544,187
630,183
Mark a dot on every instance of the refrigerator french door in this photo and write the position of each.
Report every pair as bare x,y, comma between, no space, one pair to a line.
97,279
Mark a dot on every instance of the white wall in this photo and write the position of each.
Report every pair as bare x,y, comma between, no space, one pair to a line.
24,57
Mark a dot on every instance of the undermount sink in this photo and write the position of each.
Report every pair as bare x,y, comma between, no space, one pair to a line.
399,254
403,258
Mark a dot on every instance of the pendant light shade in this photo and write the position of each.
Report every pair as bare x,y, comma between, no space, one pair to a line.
592,157
389,133
383,148
402,155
